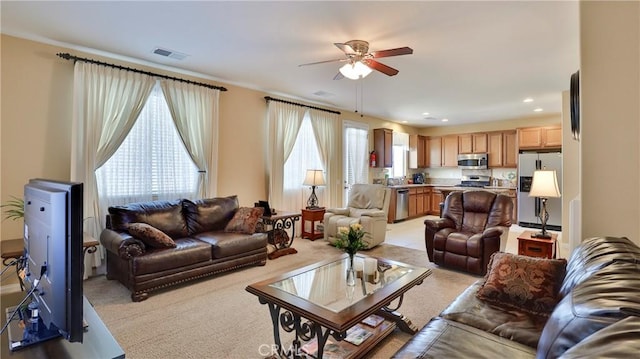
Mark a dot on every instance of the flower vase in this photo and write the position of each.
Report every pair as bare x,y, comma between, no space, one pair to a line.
351,273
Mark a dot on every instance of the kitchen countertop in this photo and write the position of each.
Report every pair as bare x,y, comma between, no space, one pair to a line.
452,187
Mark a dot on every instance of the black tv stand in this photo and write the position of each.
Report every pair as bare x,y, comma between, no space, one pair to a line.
32,332
97,341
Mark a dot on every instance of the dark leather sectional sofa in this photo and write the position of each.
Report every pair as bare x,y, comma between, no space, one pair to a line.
597,316
203,248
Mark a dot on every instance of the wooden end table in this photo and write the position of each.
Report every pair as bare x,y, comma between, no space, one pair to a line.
537,247
13,249
277,226
312,215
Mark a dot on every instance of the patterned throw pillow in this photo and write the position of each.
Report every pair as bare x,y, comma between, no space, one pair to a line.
524,283
245,220
151,236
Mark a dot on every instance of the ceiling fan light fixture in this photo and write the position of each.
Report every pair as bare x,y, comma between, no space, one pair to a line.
355,71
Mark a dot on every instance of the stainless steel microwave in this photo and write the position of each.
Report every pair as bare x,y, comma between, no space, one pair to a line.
473,161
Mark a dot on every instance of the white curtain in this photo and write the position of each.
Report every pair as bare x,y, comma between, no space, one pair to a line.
194,110
304,156
284,122
106,103
326,129
355,156
152,162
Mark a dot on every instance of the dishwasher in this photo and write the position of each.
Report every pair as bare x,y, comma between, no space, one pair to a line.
402,204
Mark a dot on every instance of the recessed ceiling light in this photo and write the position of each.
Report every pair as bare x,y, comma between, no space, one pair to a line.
405,121
538,109
425,114
445,120
528,99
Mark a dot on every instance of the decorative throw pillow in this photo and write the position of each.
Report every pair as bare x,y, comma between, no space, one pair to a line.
151,236
245,220
524,283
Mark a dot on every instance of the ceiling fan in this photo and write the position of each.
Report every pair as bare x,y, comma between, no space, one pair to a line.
360,62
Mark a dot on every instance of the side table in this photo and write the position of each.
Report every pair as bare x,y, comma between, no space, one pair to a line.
537,247
12,249
276,226
312,215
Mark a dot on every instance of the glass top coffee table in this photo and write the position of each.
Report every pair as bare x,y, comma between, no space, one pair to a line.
315,303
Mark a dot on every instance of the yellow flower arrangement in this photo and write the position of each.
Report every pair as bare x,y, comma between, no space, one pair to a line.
350,239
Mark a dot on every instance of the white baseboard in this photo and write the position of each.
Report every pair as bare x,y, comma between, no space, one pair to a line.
10,288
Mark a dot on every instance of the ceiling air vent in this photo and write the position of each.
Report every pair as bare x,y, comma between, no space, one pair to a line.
169,53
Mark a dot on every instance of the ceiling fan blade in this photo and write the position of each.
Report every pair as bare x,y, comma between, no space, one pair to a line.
345,48
393,52
387,70
322,62
338,76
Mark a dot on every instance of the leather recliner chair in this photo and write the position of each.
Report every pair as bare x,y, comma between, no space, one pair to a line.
474,225
368,205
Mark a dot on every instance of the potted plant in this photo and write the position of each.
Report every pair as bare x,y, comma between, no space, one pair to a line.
14,208
350,241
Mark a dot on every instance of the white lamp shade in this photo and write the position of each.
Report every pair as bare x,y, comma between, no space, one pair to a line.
314,178
544,184
355,70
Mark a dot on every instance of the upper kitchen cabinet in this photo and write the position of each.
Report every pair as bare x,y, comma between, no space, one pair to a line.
510,145
450,151
540,137
435,151
418,151
502,149
383,145
472,143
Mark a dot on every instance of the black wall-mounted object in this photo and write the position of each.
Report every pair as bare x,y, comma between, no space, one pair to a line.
574,103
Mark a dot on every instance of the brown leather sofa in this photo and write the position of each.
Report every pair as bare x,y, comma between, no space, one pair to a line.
597,315
474,225
203,248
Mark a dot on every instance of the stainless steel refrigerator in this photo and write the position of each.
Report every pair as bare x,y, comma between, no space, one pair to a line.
529,207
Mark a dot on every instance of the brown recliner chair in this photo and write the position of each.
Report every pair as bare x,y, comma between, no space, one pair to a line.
474,225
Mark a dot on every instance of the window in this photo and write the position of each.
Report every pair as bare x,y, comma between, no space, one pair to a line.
356,156
152,162
400,152
304,156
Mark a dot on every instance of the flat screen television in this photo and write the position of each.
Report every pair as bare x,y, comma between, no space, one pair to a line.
53,262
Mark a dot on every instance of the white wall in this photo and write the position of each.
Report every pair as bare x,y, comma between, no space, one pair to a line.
610,111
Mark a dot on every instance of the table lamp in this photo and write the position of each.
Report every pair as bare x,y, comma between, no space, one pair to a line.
544,186
313,178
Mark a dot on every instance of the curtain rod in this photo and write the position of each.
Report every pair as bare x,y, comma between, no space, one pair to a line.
68,56
268,98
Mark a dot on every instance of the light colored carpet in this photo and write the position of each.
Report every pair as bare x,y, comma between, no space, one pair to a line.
217,318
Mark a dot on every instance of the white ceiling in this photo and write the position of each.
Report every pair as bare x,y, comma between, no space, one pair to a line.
473,61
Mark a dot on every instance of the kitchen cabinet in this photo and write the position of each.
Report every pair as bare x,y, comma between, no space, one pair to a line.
383,145
472,143
391,214
413,202
436,198
426,198
539,137
420,201
435,151
496,149
450,151
502,149
418,152
510,144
